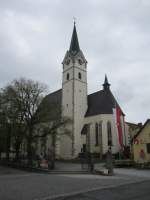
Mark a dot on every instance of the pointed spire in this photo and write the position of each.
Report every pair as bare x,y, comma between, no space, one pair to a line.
106,85
74,45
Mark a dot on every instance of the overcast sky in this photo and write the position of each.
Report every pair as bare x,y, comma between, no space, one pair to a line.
114,36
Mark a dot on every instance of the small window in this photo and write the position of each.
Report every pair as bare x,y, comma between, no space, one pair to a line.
80,61
67,61
84,148
79,75
148,147
67,76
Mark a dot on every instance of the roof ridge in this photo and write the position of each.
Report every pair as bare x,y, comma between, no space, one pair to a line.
54,92
95,92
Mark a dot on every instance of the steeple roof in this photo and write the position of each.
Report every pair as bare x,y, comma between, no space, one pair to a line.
101,102
74,45
106,85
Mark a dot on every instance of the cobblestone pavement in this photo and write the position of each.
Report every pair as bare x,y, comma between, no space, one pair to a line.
33,186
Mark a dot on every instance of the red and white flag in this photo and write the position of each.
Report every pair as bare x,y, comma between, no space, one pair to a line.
117,113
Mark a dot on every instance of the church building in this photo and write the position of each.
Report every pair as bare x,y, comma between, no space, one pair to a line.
97,119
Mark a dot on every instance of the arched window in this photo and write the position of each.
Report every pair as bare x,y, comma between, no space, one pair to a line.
67,76
109,133
96,135
79,75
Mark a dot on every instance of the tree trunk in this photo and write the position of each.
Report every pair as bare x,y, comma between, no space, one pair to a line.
29,151
17,149
7,155
8,143
53,149
29,145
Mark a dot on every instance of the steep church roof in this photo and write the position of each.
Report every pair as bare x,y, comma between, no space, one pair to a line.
101,102
74,45
50,107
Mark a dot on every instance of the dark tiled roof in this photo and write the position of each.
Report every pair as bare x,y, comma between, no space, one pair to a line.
101,102
145,124
133,125
50,107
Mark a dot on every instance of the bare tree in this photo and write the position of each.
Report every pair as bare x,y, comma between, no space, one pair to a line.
21,99
28,95
25,111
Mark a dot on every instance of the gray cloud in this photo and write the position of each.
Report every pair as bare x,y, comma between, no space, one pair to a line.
114,36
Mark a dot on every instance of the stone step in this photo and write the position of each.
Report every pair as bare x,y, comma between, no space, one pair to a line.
67,172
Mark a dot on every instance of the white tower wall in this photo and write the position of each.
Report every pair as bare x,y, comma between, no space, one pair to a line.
74,102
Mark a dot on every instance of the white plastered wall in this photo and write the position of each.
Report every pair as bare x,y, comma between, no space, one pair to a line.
103,119
74,103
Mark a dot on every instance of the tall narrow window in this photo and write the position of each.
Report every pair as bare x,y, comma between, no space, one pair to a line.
96,135
79,75
109,133
100,133
100,140
67,76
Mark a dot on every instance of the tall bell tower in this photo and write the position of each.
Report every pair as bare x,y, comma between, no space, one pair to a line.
74,96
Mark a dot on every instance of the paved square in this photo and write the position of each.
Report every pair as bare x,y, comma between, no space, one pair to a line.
18,185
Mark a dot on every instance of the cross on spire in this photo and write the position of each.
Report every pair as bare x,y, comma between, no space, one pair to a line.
74,20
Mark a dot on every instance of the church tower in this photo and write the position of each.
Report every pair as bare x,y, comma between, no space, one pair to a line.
74,96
